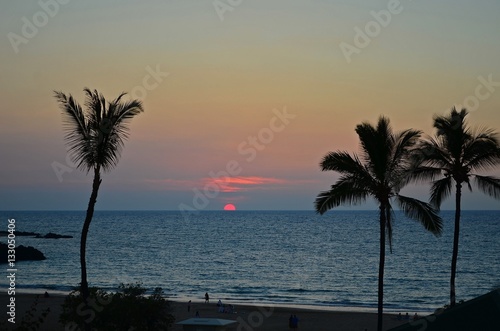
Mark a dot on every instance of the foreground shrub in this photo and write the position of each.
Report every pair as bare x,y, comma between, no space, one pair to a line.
128,309
30,321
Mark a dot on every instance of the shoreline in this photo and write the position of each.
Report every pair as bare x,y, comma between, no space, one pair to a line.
259,303
256,316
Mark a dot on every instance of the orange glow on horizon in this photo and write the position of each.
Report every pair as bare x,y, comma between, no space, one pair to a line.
229,206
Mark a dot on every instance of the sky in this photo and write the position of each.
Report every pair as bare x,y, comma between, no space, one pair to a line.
242,98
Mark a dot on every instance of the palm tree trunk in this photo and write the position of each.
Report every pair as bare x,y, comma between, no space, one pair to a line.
83,241
456,236
381,269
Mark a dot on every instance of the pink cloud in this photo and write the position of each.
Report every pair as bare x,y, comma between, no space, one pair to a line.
236,184
227,184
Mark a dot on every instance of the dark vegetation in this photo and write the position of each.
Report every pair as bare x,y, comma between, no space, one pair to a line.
128,309
32,320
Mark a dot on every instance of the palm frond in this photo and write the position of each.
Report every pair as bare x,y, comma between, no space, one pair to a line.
377,144
485,133
341,193
489,185
453,130
403,159
77,131
482,152
422,212
127,110
123,113
423,166
341,162
114,129
96,102
440,190
96,136
432,152
424,174
403,149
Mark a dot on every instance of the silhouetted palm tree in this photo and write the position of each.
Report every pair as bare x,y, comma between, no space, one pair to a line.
384,169
95,137
454,154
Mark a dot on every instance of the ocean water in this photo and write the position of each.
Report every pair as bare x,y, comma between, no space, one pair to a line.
272,257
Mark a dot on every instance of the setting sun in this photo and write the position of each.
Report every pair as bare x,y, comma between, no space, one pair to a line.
229,206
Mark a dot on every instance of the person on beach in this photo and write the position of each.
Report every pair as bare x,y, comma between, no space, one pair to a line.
207,298
189,306
295,322
229,309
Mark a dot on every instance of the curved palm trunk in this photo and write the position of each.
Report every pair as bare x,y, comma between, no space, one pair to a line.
381,269
456,236
83,241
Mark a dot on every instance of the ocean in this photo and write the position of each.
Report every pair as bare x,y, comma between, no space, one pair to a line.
263,257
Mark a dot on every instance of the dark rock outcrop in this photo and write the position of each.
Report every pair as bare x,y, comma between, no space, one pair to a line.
23,253
51,235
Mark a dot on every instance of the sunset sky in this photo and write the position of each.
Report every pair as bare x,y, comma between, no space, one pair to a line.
242,98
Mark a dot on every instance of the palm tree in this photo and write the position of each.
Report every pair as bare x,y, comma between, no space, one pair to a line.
383,170
95,137
454,154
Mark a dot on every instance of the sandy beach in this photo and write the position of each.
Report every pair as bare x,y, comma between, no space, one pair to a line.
258,318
